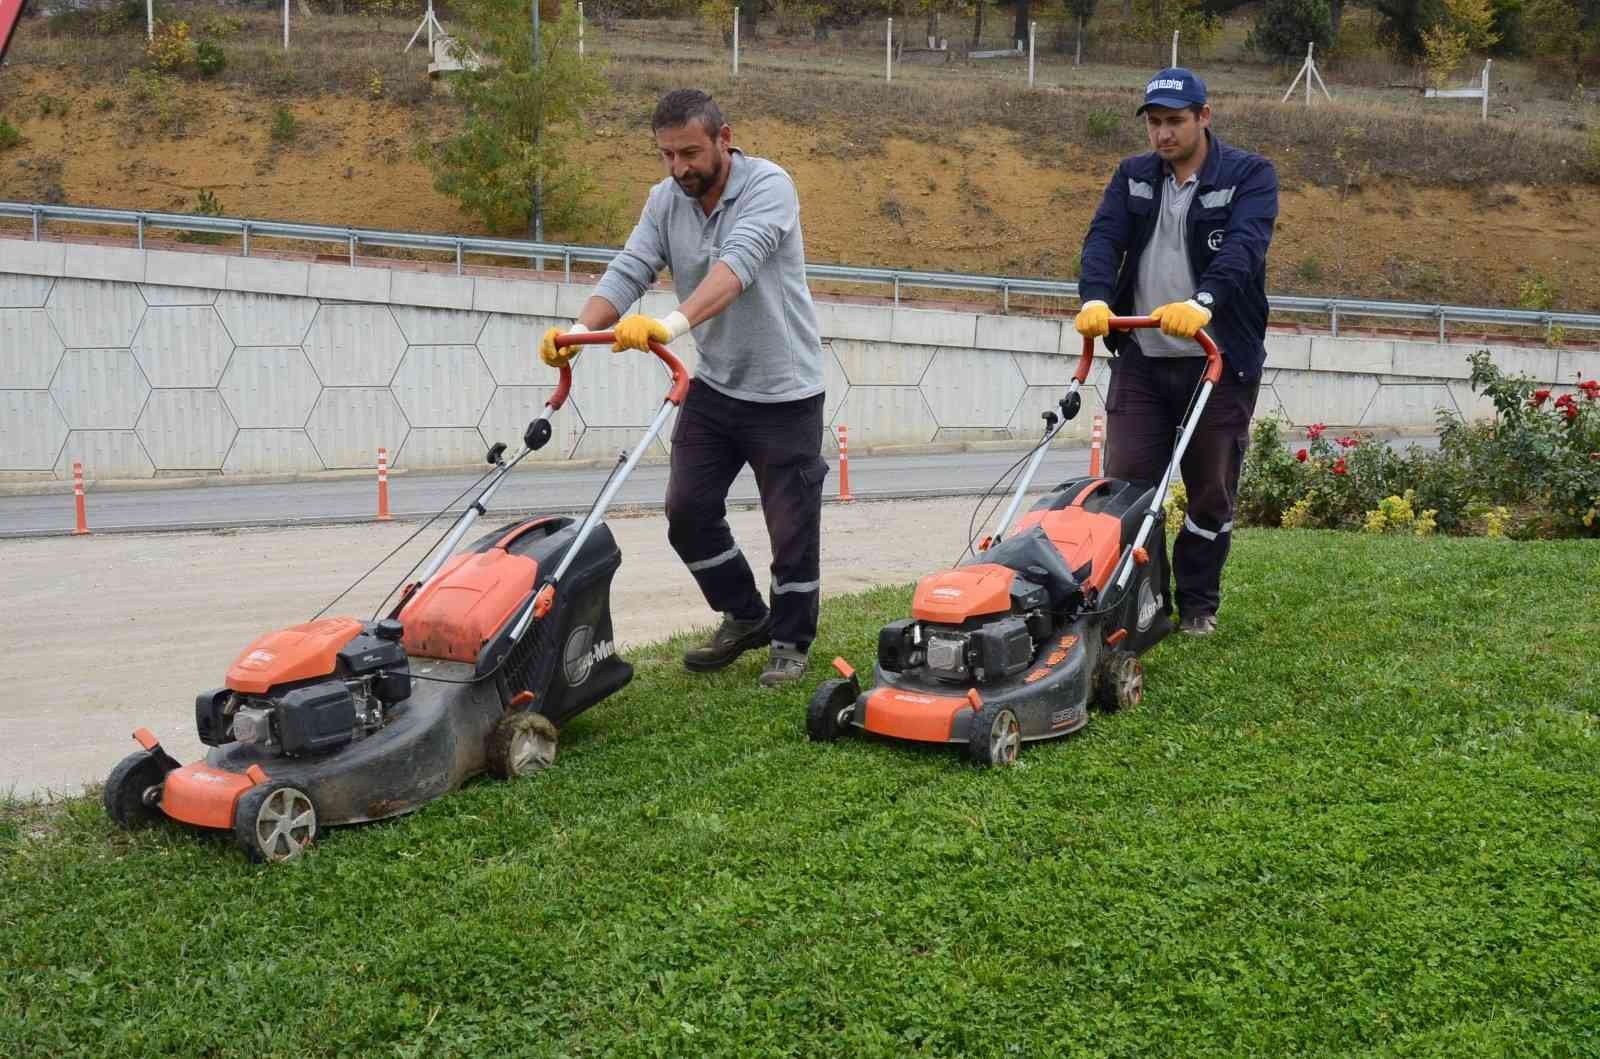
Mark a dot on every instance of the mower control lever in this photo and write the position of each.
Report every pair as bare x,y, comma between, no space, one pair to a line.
537,434
496,451
680,374
1070,404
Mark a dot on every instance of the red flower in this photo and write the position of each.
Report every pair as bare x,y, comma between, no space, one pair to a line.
1348,442
1572,412
1591,389
1302,455
1314,431
1566,400
1539,398
1338,466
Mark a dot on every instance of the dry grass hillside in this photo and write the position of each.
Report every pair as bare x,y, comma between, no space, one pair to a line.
954,169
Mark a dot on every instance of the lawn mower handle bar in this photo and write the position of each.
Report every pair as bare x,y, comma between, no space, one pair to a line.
1130,323
680,375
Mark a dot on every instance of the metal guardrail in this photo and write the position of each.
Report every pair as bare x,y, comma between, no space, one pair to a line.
1005,286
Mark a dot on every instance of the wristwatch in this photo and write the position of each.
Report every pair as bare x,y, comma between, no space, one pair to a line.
1204,298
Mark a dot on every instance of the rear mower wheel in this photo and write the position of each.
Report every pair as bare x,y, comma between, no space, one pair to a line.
275,822
832,698
124,794
1120,685
996,737
521,744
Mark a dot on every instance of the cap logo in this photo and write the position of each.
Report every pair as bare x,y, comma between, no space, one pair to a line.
1160,83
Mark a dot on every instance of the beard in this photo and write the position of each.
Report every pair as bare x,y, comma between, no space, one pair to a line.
694,184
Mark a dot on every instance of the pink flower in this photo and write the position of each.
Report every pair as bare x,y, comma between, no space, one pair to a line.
1314,431
1539,398
1338,466
1302,455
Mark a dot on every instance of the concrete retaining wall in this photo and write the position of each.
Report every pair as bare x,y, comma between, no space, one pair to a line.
156,362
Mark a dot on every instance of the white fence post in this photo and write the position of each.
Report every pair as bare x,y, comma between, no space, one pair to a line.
580,31
285,25
888,52
1174,48
1486,64
149,19
1033,28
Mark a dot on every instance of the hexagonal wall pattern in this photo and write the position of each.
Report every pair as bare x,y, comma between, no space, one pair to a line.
510,346
511,410
271,451
29,349
184,345
971,388
443,447
95,314
354,345
1408,404
881,363
599,443
618,389
836,381
105,454
156,294
265,319
1325,397
349,424
186,429
24,292
1026,423
886,414
31,430
437,327
442,386
100,389
269,386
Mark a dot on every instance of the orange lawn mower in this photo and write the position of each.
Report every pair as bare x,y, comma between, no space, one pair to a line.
341,720
1013,643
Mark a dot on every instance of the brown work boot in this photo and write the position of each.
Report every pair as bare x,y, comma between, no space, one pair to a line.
1200,625
732,639
785,665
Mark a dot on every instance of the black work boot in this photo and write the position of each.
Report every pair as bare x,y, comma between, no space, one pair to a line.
732,639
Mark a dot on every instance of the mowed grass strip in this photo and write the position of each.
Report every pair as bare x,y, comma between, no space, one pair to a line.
1359,820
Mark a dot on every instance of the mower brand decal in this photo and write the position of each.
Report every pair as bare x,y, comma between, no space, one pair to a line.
901,696
1214,240
582,654
947,593
1149,605
1062,718
259,657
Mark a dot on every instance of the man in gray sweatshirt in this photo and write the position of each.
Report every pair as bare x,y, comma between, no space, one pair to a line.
728,226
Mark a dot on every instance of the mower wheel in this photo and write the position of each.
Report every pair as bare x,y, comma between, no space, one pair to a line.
274,822
521,744
1121,681
124,796
996,737
832,698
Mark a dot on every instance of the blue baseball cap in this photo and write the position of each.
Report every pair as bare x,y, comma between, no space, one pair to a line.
1174,87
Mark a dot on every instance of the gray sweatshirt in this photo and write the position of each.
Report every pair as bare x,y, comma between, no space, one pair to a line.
763,347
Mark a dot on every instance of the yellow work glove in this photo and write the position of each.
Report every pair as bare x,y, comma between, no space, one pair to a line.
1093,320
1182,319
554,357
638,331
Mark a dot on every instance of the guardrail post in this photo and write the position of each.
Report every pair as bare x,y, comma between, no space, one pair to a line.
246,233
458,257
352,249
1441,325
1333,317
35,214
566,264
1005,297
897,288
139,224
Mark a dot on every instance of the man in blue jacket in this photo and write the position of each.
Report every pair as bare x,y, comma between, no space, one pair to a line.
1181,234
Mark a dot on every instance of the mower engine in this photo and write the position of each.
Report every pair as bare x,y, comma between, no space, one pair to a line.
979,650
313,712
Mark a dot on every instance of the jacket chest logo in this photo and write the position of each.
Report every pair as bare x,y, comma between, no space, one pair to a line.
1214,240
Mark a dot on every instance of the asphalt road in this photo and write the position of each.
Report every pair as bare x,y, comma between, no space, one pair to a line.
534,490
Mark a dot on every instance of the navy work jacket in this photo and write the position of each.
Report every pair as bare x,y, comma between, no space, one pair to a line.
1229,226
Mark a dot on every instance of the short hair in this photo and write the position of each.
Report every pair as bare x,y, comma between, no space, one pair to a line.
683,105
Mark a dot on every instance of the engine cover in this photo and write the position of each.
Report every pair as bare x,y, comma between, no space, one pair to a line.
1001,648
316,719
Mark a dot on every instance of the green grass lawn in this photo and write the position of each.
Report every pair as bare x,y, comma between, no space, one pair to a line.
1361,820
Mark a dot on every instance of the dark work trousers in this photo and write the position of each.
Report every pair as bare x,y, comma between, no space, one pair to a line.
715,436
1145,404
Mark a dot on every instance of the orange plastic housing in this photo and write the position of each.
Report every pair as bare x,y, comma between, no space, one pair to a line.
909,715
201,795
466,603
1081,537
952,596
299,652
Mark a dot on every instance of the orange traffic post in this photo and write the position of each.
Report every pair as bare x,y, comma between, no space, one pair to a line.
844,463
1097,440
383,485
77,495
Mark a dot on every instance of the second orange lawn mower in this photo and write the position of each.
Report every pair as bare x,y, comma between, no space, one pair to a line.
1013,643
